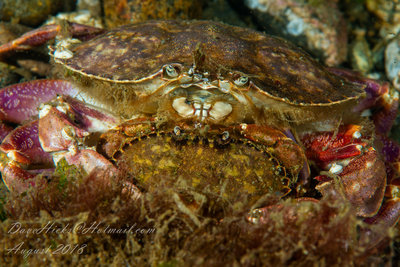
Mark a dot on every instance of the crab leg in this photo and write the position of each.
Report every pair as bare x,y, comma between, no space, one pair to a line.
285,149
43,34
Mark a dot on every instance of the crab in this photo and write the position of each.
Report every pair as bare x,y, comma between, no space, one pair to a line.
231,110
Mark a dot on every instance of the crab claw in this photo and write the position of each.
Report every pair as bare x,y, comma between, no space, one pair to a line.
326,147
65,121
22,145
88,159
15,178
363,181
58,132
97,167
350,160
19,102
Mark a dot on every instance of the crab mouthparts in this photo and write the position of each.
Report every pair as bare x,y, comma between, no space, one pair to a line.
200,109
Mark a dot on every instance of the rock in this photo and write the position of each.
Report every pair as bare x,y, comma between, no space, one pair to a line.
392,61
317,26
119,12
31,12
360,53
386,10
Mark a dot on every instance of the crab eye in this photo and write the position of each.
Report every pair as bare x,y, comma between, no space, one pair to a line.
241,81
170,71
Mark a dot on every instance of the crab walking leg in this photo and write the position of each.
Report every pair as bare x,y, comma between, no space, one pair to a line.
284,148
46,33
262,215
20,102
389,213
387,101
387,216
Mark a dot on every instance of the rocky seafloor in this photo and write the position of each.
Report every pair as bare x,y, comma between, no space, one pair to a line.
90,224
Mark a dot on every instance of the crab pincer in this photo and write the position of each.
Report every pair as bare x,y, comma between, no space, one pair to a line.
27,144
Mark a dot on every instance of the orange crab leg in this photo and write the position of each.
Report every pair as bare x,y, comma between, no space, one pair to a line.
285,149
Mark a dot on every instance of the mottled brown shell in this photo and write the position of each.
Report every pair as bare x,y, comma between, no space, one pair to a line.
279,69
